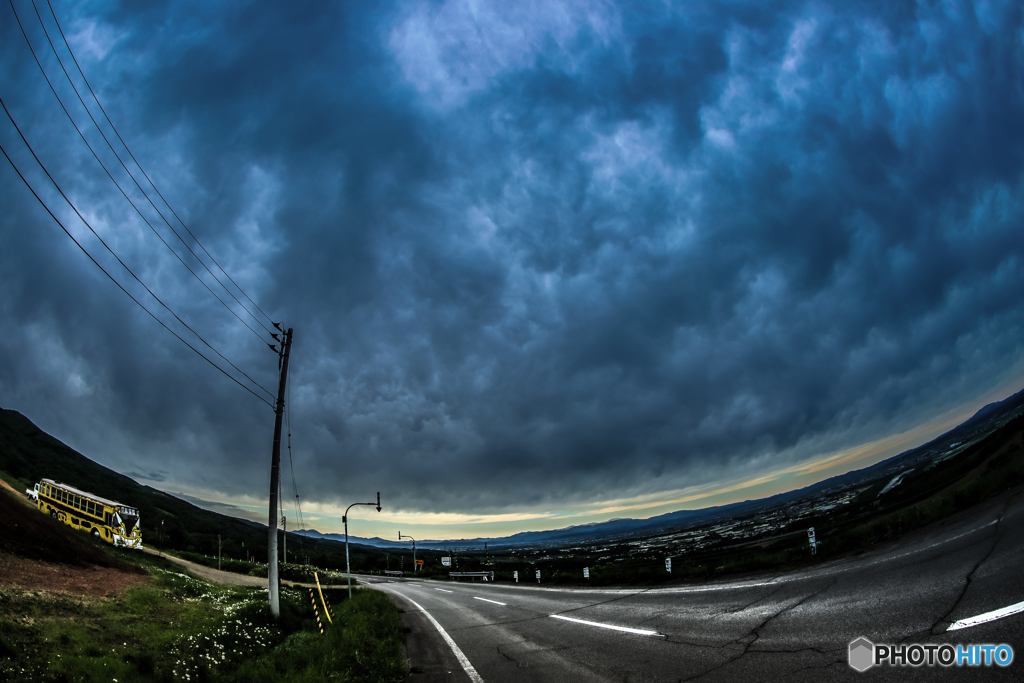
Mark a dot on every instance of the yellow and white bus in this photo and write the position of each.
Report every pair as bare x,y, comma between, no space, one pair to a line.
109,520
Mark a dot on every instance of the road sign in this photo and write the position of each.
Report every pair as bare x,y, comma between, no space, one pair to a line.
586,572
538,576
419,562
668,564
515,575
446,561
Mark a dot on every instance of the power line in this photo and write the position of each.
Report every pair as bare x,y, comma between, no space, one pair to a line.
291,463
152,184
116,184
123,264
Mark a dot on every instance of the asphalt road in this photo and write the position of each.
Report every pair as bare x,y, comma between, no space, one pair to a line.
794,627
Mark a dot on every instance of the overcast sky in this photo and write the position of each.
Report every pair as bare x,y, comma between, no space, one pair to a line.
545,266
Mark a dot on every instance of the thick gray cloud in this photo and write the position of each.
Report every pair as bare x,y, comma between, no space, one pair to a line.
563,254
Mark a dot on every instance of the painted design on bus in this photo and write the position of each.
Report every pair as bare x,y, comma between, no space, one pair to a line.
114,522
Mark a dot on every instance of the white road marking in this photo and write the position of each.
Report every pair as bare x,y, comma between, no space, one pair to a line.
442,590
466,666
987,617
494,601
637,631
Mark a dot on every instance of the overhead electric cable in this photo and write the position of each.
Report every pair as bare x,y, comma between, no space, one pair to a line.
112,279
117,185
291,463
152,184
123,264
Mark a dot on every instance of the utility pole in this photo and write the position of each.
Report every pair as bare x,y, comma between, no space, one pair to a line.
284,523
275,472
218,552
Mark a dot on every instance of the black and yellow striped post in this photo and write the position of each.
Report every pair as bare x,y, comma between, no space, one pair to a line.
327,612
312,599
329,609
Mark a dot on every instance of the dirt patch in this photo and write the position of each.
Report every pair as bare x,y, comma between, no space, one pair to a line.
20,572
215,575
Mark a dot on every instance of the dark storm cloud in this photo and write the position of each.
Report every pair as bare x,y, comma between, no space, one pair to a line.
568,254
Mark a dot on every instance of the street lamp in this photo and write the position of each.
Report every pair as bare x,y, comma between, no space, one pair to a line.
400,537
344,519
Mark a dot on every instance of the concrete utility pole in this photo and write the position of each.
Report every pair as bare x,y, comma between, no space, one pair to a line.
344,518
275,472
284,537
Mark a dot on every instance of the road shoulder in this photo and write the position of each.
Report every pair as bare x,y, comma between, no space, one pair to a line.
430,658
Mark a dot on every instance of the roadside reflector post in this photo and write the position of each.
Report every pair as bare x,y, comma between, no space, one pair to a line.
316,612
515,575
668,564
320,591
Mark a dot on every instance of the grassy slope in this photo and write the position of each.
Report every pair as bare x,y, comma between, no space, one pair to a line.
184,629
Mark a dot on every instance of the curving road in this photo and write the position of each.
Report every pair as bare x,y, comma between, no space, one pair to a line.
794,627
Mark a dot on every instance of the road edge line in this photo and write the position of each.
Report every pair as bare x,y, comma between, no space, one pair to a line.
463,660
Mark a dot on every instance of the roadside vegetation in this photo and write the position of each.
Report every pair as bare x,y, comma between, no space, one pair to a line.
181,628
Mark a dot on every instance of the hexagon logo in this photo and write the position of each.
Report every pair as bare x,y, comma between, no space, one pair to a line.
862,654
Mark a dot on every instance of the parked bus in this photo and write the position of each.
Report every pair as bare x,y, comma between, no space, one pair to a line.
114,522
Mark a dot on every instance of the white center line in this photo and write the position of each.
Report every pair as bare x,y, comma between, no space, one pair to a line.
639,632
987,617
494,601
442,590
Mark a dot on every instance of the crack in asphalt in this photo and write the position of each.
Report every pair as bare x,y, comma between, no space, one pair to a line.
509,657
944,619
753,602
754,634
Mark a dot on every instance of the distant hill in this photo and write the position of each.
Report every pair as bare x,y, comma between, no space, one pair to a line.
28,454
993,408
986,420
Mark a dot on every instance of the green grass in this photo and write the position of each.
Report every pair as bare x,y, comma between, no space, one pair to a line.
362,644
181,628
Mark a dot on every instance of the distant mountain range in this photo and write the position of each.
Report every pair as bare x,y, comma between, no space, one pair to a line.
28,453
989,418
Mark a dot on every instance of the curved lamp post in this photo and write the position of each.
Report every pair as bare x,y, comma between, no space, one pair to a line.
400,537
344,519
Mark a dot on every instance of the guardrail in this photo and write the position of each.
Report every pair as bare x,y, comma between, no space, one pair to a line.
392,572
471,576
